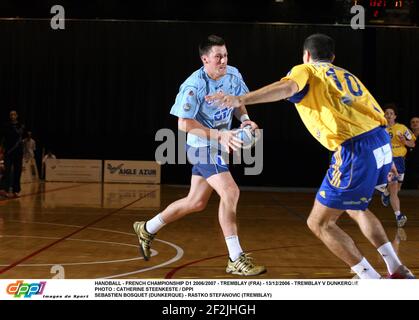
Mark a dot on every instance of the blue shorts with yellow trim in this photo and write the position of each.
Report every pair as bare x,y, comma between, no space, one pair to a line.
207,161
401,168
356,168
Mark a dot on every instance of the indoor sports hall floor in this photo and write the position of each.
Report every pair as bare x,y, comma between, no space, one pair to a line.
84,231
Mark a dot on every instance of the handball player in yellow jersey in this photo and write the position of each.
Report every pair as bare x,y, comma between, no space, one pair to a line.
401,139
344,117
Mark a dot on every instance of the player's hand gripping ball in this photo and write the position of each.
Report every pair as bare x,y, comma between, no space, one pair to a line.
248,136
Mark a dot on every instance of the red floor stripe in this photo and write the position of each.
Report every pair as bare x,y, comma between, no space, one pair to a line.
14,264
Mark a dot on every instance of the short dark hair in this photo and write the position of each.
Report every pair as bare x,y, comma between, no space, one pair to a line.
211,41
320,46
391,106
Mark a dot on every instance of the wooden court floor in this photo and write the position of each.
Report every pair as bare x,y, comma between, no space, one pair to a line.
84,231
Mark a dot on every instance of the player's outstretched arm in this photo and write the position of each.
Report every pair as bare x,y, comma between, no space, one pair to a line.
274,92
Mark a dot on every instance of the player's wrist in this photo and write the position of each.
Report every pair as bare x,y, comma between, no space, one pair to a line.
244,117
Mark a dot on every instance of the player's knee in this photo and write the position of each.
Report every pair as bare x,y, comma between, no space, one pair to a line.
354,214
313,225
198,205
230,194
317,225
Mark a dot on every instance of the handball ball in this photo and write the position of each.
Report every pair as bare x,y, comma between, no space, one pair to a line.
248,136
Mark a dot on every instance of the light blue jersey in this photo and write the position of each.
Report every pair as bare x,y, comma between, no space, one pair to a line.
190,102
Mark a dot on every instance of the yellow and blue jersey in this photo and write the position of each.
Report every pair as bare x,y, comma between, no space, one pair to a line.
333,104
399,149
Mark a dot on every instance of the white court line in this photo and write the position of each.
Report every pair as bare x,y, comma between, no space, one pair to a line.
154,252
179,255
179,250
70,226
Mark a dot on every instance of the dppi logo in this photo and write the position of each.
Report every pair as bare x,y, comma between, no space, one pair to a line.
223,114
114,169
27,290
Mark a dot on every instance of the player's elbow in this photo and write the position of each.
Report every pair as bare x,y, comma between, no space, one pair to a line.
184,124
181,124
290,88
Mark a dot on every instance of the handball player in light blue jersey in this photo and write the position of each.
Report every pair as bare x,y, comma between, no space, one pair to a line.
208,144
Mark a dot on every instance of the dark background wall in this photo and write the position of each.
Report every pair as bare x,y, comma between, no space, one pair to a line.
101,89
301,11
325,11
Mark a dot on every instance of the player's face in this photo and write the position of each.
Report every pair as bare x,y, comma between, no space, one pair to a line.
13,115
215,62
414,123
390,115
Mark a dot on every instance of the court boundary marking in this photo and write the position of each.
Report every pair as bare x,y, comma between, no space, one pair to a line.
76,263
178,256
179,250
14,264
171,273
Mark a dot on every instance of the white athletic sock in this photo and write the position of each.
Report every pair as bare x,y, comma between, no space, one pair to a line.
365,271
397,213
234,249
155,224
390,257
